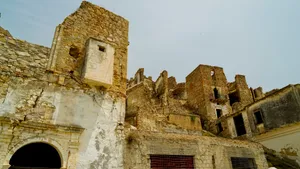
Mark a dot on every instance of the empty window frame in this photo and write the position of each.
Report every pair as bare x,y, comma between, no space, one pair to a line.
239,125
216,93
234,97
220,127
243,163
258,117
171,162
219,113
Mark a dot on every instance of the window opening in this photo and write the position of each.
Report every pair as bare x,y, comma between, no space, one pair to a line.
101,48
234,97
216,93
239,125
243,163
219,113
258,117
74,51
220,127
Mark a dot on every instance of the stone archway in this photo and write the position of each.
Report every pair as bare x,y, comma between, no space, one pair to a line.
36,156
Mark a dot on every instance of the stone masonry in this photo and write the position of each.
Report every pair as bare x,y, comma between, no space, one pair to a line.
75,98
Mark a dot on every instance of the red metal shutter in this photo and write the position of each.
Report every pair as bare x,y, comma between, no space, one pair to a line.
171,162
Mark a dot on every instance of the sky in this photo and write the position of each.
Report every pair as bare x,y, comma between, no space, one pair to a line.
256,38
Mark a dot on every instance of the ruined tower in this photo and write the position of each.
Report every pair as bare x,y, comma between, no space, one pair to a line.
207,91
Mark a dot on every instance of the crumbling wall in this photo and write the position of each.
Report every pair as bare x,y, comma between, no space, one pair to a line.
14,134
179,91
172,82
201,84
161,87
207,91
151,106
243,90
31,100
30,92
68,48
138,78
284,104
208,152
258,93
240,92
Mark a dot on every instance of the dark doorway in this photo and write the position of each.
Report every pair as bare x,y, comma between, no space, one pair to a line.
36,156
243,163
239,125
171,162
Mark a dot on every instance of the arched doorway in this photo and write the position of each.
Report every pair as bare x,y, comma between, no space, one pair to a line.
36,156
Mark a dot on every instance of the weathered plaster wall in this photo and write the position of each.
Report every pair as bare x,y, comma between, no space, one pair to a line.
140,145
277,110
284,140
31,94
14,134
29,99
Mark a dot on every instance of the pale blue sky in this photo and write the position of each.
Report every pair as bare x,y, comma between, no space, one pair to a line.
258,38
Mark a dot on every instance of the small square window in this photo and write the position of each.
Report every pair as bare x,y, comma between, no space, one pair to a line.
101,48
258,117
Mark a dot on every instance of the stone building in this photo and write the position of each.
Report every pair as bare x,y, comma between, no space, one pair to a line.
71,106
272,119
165,130
64,107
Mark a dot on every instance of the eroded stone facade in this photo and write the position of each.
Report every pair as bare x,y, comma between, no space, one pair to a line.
75,97
165,118
44,98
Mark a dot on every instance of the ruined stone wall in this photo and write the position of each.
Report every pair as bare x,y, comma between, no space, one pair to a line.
208,152
283,104
34,95
68,49
258,93
21,59
243,90
202,85
31,93
152,107
172,82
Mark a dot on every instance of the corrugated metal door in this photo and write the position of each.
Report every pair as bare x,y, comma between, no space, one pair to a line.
171,162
